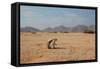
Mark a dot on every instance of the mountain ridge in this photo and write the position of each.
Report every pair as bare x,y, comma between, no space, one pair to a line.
60,28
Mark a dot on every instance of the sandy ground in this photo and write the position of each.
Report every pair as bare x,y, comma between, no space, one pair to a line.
70,47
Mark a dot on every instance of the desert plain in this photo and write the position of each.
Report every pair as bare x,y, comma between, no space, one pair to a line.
70,47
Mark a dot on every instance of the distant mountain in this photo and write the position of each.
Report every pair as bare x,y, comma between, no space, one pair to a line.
91,27
79,28
60,28
29,29
47,29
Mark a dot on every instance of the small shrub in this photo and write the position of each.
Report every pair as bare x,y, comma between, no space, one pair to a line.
65,32
33,32
55,32
89,31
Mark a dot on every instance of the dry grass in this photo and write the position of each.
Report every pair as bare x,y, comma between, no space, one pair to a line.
70,47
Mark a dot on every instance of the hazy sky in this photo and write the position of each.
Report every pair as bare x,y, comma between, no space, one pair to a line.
43,17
